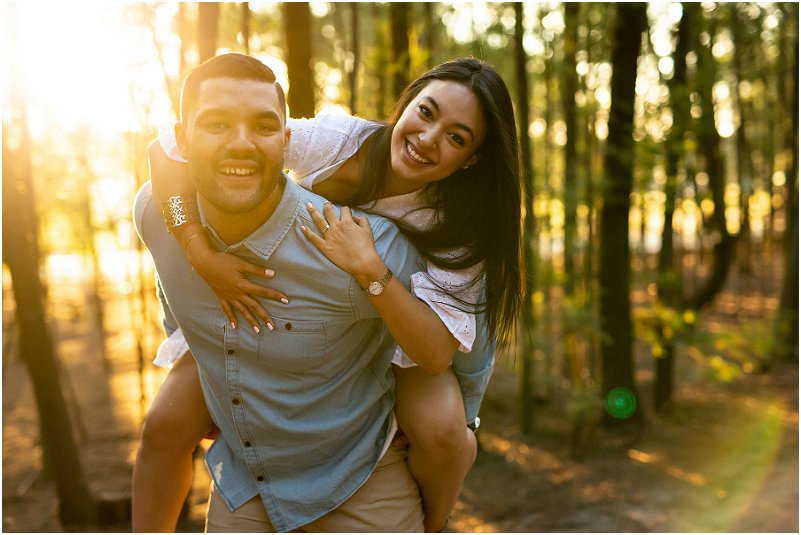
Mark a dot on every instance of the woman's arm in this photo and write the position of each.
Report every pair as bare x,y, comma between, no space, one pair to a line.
348,243
225,273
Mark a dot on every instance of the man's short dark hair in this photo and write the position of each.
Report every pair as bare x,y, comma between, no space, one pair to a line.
232,65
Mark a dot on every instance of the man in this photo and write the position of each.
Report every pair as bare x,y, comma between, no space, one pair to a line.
304,410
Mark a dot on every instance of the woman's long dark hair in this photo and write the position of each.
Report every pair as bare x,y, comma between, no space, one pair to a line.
478,207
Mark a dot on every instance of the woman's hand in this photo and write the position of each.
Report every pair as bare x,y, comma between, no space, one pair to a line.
347,241
225,273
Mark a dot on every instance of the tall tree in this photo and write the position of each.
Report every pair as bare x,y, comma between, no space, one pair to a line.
21,254
617,364
245,26
669,282
710,147
208,16
401,61
786,347
355,48
297,29
569,86
529,230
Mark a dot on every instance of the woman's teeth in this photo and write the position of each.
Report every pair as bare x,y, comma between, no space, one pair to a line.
416,157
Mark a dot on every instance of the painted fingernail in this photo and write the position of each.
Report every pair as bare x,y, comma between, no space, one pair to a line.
309,205
269,272
233,325
256,328
270,326
284,300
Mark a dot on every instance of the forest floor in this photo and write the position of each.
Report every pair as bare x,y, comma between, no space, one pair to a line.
722,458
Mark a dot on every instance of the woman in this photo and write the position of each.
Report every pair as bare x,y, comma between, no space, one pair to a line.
445,169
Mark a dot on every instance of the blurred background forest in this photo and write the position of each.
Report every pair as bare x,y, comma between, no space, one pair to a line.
653,376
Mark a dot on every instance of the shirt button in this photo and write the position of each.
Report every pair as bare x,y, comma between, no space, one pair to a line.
247,444
259,478
288,326
231,352
235,401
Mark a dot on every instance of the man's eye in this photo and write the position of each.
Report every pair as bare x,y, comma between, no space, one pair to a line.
214,125
266,127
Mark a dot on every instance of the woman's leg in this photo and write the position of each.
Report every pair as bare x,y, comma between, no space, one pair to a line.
162,476
441,447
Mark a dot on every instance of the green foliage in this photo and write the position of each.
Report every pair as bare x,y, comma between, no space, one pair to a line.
660,325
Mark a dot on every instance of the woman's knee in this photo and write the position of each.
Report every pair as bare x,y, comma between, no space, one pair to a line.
442,434
161,429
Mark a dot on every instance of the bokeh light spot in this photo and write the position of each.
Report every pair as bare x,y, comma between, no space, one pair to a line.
620,403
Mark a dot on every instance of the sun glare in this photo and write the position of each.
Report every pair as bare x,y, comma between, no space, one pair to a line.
83,63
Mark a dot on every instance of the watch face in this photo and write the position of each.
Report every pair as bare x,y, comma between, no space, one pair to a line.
375,288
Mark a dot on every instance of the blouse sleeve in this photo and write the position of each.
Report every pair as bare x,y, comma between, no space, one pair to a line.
169,145
453,295
319,146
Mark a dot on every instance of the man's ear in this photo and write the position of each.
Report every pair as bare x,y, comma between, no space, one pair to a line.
180,138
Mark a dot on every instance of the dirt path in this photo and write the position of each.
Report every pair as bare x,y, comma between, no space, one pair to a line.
725,457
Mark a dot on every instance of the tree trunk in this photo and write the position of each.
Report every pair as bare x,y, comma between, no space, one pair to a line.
21,254
245,27
208,15
355,47
786,348
669,283
430,41
617,365
709,144
381,59
399,17
529,230
297,28
569,87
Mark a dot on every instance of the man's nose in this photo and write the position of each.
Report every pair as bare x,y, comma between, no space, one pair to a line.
240,140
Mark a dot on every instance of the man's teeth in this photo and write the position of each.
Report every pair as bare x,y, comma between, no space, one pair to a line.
414,155
238,171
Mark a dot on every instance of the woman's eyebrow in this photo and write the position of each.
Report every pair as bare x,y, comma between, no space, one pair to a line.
434,105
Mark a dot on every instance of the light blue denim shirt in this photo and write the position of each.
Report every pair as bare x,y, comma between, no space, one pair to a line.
303,410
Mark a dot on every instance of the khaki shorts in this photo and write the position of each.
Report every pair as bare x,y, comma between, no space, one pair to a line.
389,501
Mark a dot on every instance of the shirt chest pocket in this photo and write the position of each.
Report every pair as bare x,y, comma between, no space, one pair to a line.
293,346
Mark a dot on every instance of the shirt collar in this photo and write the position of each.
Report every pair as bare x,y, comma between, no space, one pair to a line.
263,241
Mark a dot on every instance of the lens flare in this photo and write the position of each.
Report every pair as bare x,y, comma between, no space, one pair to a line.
620,403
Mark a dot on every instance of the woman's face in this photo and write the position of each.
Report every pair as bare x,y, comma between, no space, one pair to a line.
439,131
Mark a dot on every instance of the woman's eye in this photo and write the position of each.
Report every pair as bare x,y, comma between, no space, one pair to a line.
424,111
457,139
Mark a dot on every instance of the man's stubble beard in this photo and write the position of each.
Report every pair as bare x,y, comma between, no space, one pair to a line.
231,203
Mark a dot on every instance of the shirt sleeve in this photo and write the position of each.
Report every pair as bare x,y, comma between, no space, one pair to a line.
143,202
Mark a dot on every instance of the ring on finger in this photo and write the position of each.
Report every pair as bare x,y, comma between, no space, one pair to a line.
327,227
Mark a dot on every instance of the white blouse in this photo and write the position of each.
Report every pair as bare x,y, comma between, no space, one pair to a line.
317,148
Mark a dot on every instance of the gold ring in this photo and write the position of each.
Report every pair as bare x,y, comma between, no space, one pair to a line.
327,227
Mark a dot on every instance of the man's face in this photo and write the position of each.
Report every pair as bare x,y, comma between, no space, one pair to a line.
234,141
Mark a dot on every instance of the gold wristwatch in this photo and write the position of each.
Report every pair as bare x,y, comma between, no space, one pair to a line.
377,287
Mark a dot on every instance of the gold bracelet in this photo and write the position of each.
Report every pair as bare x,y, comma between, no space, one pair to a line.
192,237
178,210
